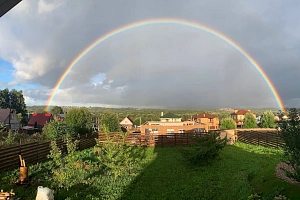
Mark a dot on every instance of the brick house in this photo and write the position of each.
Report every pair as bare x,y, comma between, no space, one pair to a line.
239,115
211,120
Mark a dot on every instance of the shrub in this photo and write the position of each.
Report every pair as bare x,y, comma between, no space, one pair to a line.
227,123
205,148
56,129
267,120
116,155
250,121
290,132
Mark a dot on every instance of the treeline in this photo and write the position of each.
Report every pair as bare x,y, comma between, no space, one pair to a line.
14,99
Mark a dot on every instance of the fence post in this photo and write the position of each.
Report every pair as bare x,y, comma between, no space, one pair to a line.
258,136
162,141
175,138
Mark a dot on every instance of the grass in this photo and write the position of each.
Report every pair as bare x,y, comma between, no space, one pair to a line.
163,173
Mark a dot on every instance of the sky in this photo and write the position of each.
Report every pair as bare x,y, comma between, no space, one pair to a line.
167,66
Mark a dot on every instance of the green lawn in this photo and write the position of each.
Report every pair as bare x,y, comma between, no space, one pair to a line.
239,171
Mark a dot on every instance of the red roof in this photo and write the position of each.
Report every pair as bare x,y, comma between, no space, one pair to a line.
40,119
205,115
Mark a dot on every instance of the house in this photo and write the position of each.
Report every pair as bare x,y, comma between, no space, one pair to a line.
9,119
60,116
169,117
163,127
239,115
38,120
211,120
127,123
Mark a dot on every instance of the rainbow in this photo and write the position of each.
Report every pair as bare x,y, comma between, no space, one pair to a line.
166,21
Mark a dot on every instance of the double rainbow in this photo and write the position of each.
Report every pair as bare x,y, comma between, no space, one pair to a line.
167,21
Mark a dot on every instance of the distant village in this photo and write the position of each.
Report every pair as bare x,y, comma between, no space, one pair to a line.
168,122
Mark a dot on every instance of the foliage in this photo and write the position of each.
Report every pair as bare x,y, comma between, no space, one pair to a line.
267,120
205,148
110,122
56,129
79,119
166,175
14,99
227,123
290,132
56,110
67,170
249,121
10,139
116,154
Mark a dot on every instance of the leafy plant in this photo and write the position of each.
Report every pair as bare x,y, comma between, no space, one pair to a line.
250,121
205,148
290,132
227,123
67,170
56,129
267,120
116,154
9,139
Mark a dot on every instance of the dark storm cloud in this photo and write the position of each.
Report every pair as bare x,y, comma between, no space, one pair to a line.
162,65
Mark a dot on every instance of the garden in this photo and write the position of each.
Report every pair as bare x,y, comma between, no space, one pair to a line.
119,171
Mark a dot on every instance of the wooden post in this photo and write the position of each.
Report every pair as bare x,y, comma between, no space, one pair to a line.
258,137
175,138
162,141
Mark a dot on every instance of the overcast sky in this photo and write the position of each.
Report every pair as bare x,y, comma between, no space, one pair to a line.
162,65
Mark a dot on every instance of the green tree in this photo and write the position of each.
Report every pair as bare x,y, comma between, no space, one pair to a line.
79,119
227,123
250,121
267,120
14,99
110,121
290,132
56,110
56,129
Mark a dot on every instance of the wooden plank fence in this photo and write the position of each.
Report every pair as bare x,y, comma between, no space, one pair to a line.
267,138
160,140
36,152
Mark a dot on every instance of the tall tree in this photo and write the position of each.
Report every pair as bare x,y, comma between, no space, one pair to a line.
56,110
79,119
14,99
290,130
110,121
267,120
228,123
250,121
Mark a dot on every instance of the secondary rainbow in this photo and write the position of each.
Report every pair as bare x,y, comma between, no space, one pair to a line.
167,21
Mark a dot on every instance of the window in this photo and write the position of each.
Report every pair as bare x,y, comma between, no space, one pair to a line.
180,131
170,130
210,120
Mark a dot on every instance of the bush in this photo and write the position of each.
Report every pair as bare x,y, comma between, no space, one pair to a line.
290,132
227,123
116,155
205,148
57,129
250,121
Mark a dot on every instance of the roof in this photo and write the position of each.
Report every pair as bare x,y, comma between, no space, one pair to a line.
241,112
205,115
39,118
6,5
128,119
4,113
170,115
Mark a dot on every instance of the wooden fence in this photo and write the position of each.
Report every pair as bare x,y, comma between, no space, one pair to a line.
267,138
161,140
37,151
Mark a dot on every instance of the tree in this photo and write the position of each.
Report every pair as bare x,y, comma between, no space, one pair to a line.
110,121
250,121
56,129
227,123
267,120
290,132
14,99
56,110
79,119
